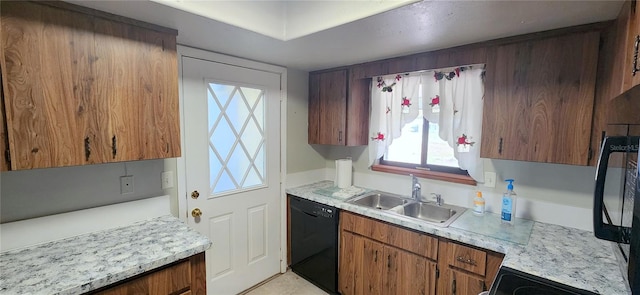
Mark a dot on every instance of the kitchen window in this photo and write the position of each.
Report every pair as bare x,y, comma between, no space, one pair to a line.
420,151
428,124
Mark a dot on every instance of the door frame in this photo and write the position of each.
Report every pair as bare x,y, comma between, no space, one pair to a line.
183,209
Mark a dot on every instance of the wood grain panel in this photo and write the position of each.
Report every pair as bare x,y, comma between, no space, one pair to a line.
604,89
314,109
160,114
358,104
618,55
333,107
464,284
414,275
77,84
174,279
117,85
467,258
198,284
392,281
494,260
4,141
365,226
418,243
632,20
350,264
541,102
137,74
47,54
373,268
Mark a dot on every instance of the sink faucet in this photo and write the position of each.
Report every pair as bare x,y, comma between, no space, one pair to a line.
416,188
438,198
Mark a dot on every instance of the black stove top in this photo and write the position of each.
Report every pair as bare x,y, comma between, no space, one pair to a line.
512,282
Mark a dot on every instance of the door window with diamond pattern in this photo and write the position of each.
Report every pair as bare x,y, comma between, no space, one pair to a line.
236,138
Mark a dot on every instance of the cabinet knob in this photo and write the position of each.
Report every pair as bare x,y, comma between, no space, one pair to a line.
196,212
195,194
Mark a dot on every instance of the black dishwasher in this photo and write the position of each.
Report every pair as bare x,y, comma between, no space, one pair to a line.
314,242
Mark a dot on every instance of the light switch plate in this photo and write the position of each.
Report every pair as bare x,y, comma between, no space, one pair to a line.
126,184
490,179
167,179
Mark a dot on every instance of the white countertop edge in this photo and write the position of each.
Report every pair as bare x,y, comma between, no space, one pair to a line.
30,232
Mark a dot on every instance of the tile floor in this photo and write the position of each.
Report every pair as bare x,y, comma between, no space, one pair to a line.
288,283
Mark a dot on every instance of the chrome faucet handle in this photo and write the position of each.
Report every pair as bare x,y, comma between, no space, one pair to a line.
416,188
438,198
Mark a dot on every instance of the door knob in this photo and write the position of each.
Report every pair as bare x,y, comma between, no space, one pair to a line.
195,194
196,212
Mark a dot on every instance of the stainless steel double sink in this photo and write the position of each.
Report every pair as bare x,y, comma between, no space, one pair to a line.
429,212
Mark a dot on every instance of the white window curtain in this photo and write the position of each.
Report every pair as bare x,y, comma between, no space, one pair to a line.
452,98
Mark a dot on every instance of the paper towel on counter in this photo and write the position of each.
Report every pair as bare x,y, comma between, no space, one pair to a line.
343,173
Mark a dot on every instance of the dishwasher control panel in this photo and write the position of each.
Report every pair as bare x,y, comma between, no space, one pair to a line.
324,212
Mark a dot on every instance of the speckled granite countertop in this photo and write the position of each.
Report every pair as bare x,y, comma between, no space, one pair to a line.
90,261
569,256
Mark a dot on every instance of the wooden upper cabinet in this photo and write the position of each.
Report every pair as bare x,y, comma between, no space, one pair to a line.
338,109
539,99
143,115
82,88
4,165
328,107
630,18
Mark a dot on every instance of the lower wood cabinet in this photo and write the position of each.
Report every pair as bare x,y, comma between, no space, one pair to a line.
185,277
371,267
381,258
465,269
458,283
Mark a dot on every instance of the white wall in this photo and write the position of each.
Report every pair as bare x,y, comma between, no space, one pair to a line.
300,155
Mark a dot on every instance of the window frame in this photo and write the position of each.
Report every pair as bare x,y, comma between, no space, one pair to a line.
424,170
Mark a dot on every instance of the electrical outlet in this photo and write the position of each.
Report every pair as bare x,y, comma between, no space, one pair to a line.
167,179
490,179
126,184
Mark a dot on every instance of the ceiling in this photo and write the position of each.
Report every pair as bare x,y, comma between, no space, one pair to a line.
418,27
285,20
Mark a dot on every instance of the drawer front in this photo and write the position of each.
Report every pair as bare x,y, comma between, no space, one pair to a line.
467,258
418,243
364,226
170,280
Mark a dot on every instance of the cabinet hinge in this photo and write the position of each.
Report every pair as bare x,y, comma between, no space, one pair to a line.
437,273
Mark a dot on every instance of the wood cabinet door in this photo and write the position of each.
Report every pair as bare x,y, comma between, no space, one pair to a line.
328,107
4,146
373,268
407,273
631,10
85,90
48,54
350,272
539,100
453,282
137,73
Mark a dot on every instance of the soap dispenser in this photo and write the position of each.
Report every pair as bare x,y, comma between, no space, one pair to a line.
508,212
478,204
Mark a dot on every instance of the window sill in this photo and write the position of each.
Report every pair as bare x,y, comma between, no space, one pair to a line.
455,178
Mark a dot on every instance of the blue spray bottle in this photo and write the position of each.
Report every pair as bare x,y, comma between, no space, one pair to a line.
508,213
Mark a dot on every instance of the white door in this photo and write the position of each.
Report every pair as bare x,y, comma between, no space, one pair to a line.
232,159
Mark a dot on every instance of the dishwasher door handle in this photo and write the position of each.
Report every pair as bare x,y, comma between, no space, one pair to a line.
312,215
